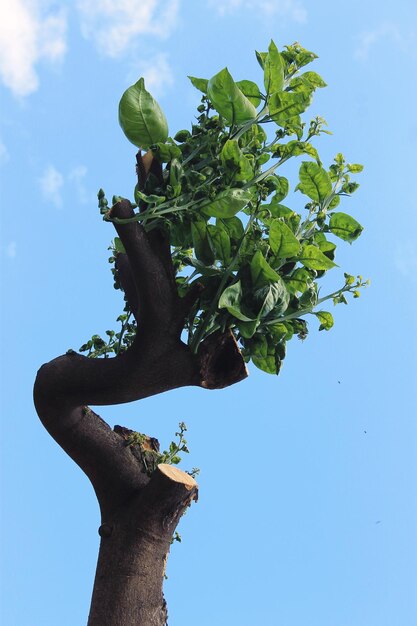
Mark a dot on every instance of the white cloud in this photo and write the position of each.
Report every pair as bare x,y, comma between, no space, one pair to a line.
51,183
77,176
114,25
29,33
368,39
292,9
11,250
4,153
157,73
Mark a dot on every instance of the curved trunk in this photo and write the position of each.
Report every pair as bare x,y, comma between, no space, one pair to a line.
140,501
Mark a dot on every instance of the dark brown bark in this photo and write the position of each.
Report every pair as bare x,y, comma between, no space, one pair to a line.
139,512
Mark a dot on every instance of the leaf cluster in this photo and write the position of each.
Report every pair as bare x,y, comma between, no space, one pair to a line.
152,457
225,207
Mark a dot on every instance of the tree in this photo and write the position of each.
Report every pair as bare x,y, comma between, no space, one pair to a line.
215,272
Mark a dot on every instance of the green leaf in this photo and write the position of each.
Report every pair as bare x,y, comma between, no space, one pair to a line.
314,259
261,272
260,57
248,329
295,148
148,198
273,70
233,159
311,80
263,353
165,152
182,136
355,168
284,244
200,83
141,118
298,55
234,227
220,242
118,246
227,203
282,188
285,105
201,245
228,100
345,227
250,90
231,300
274,297
314,181
299,281
325,318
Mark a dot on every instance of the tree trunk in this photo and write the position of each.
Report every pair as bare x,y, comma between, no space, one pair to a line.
135,542
140,501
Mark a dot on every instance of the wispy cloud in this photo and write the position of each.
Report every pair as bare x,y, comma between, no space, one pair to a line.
4,153
76,176
157,73
29,33
11,250
51,183
292,9
383,31
115,25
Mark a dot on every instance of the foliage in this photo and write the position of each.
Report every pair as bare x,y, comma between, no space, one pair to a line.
152,457
259,261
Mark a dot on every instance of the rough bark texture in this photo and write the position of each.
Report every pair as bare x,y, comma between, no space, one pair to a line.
139,512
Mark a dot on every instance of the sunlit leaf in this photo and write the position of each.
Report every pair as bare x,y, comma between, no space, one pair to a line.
345,227
141,118
313,258
314,181
283,242
228,100
325,318
227,203
273,70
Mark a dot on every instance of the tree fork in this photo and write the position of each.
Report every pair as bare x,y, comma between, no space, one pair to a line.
139,513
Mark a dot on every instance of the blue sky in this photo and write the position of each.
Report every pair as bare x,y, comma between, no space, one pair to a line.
308,493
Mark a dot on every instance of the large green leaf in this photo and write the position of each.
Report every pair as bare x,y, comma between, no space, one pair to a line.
284,244
227,203
273,70
285,105
250,90
228,100
235,161
314,181
345,227
314,259
141,118
231,300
